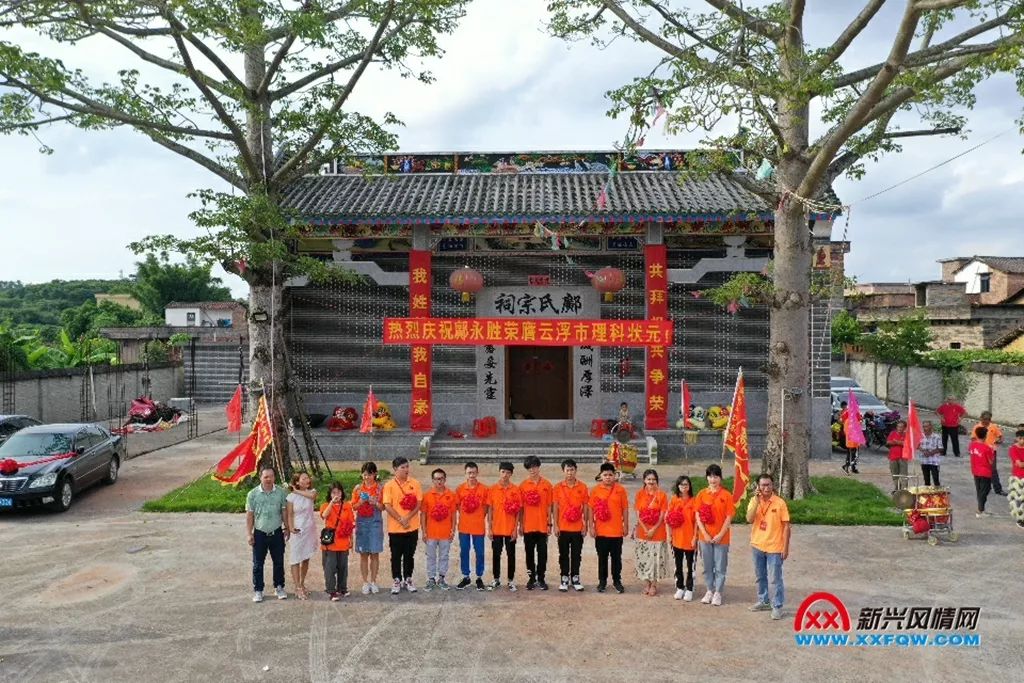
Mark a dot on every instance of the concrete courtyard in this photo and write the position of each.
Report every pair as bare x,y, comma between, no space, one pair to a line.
109,593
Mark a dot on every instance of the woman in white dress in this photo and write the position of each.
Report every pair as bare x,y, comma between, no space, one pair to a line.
302,523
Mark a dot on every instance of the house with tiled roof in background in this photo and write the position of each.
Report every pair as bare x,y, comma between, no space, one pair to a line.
977,304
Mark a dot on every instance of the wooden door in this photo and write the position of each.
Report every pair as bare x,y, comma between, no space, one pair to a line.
538,381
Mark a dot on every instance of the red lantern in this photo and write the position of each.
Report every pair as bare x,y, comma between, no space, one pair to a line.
467,281
608,280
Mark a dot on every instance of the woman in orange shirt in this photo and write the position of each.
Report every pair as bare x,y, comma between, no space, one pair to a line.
649,533
681,519
714,517
337,515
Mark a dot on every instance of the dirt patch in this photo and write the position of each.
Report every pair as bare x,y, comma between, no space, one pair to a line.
90,583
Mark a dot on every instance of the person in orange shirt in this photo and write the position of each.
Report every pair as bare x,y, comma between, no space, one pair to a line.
609,523
715,509
337,515
437,519
367,503
536,492
994,438
768,516
649,533
505,523
680,519
472,496
402,499
569,500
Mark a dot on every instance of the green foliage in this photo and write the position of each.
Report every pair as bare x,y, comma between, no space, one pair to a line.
959,359
846,329
180,339
744,289
88,319
158,282
901,342
13,351
41,305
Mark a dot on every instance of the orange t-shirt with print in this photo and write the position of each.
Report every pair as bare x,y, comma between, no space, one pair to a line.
617,501
394,492
472,522
503,523
722,508
374,491
439,529
766,532
567,497
342,517
684,536
656,501
536,518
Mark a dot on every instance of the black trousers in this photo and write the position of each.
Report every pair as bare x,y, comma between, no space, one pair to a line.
997,486
982,485
570,551
509,544
951,434
609,548
931,474
684,558
403,550
536,553
262,543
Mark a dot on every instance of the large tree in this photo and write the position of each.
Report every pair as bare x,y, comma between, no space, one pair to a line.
809,114
158,282
254,91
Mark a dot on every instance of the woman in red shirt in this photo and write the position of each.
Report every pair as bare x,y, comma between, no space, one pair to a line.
897,465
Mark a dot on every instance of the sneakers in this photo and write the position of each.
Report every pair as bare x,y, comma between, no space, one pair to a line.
845,468
855,470
619,588
601,588
760,607
442,584
776,613
480,584
374,588
257,596
706,600
493,585
512,587
531,584
1001,493
430,585
464,584
542,584
688,596
366,589
679,594
335,597
716,599
564,584
396,587
280,593
982,514
410,586
576,585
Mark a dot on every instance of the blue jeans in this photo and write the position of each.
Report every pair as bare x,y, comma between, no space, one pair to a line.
716,562
261,544
478,550
769,565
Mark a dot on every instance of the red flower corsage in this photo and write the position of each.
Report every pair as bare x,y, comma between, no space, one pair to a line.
512,505
439,512
470,504
408,501
674,518
345,528
365,510
602,512
706,514
649,516
573,514
532,497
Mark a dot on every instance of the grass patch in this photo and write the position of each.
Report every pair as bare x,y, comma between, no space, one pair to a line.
207,495
840,501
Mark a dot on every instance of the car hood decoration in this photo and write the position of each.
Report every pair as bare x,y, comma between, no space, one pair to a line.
11,466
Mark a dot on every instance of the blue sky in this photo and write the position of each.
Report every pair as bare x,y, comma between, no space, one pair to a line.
505,85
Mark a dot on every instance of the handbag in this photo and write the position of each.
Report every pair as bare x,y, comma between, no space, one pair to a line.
327,534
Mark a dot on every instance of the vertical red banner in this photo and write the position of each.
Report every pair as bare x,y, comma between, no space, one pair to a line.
656,291
421,418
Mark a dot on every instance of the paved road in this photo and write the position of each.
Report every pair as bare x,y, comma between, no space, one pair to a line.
108,593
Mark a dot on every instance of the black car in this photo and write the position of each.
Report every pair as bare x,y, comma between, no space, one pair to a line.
12,423
91,455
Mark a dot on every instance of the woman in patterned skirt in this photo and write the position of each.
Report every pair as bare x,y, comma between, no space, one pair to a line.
649,533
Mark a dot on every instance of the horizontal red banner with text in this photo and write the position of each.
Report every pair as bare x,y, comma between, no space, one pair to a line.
525,332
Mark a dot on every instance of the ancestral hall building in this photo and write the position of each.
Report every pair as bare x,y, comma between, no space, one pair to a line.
536,226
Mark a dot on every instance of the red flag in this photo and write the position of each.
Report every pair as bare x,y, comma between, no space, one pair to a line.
369,408
687,402
247,453
736,439
234,412
914,433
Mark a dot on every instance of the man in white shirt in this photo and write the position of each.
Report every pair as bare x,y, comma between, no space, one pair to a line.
930,450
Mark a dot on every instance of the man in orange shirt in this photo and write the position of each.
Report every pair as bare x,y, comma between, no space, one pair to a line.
536,492
768,516
505,521
472,496
437,519
994,438
402,498
569,498
714,517
609,523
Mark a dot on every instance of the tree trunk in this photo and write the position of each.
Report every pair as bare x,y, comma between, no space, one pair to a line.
268,368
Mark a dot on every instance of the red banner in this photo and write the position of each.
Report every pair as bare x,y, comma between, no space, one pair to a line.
656,288
736,439
526,332
421,417
245,456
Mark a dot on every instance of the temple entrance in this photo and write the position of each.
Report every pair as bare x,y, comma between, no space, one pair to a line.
539,382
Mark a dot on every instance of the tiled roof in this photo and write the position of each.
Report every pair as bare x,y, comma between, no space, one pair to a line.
207,305
518,198
1007,264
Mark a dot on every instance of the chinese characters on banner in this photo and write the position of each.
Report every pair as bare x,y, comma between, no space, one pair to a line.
656,288
519,332
420,409
586,361
490,380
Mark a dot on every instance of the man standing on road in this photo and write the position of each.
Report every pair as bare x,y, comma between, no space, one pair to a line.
994,437
930,451
768,516
951,413
265,508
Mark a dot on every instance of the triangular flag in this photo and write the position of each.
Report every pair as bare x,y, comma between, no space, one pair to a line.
247,453
914,433
369,408
687,403
234,411
736,439
851,425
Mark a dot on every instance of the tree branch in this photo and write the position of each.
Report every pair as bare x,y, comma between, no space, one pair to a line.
275,64
836,50
201,159
929,5
281,32
758,26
